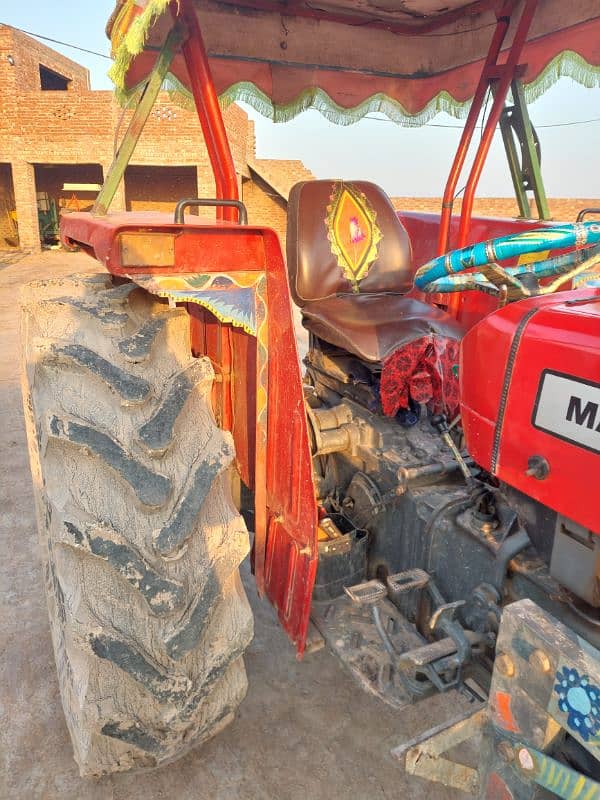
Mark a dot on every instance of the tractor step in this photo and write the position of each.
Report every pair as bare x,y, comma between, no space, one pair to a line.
366,594
375,591
429,653
348,628
407,581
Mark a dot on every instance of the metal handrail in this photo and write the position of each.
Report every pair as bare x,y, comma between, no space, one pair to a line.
201,201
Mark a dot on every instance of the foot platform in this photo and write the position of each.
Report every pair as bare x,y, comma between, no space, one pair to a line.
407,581
348,627
366,594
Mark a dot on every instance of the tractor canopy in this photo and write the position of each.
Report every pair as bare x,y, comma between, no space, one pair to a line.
409,59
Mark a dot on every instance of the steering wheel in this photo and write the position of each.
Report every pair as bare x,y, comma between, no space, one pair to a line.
440,274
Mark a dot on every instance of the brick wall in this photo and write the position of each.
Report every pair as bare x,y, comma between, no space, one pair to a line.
158,188
80,126
265,206
62,127
28,54
561,208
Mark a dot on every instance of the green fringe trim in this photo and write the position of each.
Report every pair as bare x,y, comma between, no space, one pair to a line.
565,64
319,100
134,41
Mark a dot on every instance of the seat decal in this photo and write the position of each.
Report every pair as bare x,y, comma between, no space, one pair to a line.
353,232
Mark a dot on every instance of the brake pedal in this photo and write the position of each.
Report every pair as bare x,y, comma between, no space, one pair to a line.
366,594
406,581
429,653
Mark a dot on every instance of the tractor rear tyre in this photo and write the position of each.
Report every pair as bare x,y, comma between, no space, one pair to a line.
141,541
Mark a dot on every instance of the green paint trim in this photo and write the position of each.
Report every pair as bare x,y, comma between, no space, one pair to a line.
148,96
563,781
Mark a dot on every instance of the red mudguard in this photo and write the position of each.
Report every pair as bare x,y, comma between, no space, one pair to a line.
258,394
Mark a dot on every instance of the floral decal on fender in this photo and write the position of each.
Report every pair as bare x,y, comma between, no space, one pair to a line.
579,699
353,232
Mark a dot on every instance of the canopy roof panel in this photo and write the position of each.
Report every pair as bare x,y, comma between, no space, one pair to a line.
409,59
398,15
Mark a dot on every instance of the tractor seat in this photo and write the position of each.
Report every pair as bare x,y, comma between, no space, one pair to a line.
350,267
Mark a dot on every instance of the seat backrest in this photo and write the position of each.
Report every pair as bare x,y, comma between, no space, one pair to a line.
344,237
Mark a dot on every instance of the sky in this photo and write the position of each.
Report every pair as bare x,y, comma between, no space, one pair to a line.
404,161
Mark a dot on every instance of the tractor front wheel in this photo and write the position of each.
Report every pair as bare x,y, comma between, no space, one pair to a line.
141,541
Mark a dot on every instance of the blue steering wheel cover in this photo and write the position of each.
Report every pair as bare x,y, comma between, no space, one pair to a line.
558,265
577,235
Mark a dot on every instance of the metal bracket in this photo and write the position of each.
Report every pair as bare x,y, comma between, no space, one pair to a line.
445,613
525,171
429,661
423,755
545,681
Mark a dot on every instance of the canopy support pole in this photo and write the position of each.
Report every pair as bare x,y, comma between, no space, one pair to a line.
502,79
500,76
209,113
138,121
502,25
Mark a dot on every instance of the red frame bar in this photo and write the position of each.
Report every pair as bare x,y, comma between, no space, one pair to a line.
492,71
506,75
209,111
500,32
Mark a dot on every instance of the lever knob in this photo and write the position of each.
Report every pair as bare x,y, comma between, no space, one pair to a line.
440,423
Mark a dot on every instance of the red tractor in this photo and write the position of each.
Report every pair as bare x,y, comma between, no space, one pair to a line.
424,492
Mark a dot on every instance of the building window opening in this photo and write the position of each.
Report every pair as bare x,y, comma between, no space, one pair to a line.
51,81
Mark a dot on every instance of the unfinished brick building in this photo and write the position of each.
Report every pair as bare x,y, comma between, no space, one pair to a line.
56,134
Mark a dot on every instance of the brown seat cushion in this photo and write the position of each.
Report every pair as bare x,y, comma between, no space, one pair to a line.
368,316
314,269
371,326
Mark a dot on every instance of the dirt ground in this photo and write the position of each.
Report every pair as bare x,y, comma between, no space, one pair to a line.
304,732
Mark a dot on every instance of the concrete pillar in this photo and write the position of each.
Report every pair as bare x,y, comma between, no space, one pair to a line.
118,203
26,206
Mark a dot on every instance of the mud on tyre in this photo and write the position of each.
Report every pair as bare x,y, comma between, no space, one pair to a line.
140,538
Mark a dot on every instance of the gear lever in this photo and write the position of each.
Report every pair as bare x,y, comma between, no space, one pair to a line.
440,423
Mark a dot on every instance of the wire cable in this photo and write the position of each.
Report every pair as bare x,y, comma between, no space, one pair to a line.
64,44
460,127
